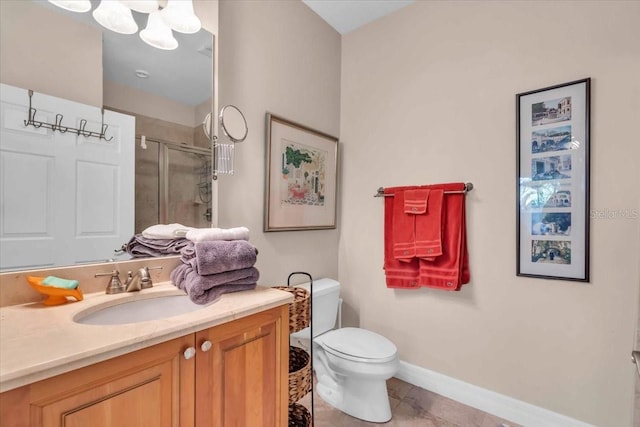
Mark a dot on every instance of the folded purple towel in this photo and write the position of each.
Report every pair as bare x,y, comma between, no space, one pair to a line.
218,256
140,246
206,289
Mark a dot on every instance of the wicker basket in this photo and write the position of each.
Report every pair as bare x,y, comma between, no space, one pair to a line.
299,416
299,373
299,310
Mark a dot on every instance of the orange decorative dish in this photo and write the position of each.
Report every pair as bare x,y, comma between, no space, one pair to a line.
56,296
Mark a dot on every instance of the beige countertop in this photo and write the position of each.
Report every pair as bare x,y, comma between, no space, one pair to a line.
38,342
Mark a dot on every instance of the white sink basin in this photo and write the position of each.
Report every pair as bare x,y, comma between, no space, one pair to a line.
138,310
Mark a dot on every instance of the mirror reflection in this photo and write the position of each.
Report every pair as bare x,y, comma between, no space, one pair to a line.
168,93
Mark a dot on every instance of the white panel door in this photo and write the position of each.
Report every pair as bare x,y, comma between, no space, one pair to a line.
64,198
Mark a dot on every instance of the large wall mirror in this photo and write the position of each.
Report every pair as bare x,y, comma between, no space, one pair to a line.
168,92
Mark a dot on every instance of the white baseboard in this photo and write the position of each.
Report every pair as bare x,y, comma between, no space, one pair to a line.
494,403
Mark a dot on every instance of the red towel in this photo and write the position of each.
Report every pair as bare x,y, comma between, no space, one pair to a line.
448,271
404,227
399,274
416,227
428,239
415,201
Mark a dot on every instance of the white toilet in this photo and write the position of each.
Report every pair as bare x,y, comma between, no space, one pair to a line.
351,364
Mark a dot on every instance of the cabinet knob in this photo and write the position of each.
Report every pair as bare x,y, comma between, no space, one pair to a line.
189,353
206,346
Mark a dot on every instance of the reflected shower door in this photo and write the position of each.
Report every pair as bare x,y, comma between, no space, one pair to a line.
173,185
185,186
147,186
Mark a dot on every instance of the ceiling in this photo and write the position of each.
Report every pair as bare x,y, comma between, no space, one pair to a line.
347,15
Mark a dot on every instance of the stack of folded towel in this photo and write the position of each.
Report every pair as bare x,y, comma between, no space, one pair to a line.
171,239
157,240
216,261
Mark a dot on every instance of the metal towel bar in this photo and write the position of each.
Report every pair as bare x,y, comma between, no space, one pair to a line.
467,187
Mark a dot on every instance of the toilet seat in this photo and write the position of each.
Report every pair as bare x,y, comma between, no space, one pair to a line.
358,345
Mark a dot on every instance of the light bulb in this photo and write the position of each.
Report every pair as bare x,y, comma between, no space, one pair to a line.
180,17
157,34
114,16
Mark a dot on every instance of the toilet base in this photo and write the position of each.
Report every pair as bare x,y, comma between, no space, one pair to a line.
364,399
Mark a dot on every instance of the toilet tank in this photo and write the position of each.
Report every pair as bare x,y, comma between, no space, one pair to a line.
325,299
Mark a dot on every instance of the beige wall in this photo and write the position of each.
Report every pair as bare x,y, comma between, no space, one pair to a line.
136,101
50,53
278,57
428,95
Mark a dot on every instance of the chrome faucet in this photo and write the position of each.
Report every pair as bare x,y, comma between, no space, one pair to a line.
133,283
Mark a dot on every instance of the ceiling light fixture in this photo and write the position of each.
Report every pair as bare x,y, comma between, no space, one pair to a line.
157,34
115,16
80,6
180,17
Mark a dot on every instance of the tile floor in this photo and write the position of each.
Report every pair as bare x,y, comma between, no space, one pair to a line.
411,407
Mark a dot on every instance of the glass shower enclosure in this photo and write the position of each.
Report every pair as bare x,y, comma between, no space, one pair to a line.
173,184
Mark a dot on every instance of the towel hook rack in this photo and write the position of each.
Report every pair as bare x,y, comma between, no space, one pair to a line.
57,126
467,187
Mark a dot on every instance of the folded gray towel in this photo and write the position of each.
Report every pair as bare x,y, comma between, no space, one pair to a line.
206,289
140,246
218,256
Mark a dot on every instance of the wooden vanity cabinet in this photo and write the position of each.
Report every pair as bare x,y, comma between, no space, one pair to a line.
243,379
145,388
236,376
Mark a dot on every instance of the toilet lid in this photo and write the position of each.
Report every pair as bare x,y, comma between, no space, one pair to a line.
359,343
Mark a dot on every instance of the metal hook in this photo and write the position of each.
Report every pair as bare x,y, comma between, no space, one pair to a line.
32,118
58,126
32,113
82,131
104,128
103,133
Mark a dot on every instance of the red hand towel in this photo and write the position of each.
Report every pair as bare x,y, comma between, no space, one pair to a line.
416,226
399,274
451,269
415,201
428,226
403,224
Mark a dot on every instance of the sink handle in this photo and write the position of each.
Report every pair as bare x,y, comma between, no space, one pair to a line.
115,286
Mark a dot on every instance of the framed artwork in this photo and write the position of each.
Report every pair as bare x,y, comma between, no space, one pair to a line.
552,189
301,181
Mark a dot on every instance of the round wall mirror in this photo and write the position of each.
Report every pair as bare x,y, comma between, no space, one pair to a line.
233,123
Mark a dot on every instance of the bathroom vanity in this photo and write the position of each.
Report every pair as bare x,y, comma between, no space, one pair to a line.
221,365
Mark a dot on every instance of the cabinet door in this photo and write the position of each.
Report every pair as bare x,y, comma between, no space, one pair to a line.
152,387
241,381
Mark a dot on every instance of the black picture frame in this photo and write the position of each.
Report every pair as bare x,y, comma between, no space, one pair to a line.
552,181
